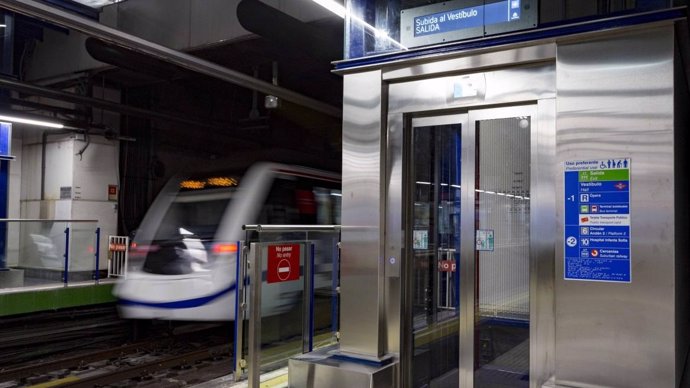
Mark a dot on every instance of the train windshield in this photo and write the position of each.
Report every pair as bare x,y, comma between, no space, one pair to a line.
185,234
188,224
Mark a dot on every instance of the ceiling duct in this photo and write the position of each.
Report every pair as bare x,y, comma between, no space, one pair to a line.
323,43
133,61
186,61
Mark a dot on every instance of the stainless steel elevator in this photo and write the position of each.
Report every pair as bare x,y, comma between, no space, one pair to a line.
466,261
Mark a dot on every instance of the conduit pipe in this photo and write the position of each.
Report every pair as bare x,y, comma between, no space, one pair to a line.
59,95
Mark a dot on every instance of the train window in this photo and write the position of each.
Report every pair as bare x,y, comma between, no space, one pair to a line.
185,234
296,200
199,213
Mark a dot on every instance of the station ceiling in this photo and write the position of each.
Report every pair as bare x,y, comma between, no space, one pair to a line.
197,115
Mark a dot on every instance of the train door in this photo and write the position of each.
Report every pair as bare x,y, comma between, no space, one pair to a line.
468,180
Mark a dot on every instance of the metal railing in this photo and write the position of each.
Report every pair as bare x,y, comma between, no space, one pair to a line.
282,262
53,251
118,256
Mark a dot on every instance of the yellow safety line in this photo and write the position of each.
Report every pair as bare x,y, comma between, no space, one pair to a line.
56,383
275,382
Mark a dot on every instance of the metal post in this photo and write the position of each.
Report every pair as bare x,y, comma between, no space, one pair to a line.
255,266
97,273
7,69
240,310
65,277
308,300
335,290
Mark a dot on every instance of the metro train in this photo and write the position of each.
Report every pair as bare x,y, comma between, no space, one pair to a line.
183,258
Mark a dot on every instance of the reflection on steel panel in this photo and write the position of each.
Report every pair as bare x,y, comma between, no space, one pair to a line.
615,99
469,62
321,369
361,266
495,87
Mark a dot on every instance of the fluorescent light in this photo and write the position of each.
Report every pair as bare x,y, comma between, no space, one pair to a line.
3,25
332,6
40,123
97,3
339,10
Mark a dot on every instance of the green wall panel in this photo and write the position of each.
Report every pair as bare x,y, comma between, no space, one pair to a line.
54,299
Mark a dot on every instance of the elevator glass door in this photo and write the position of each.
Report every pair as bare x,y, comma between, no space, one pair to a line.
434,224
468,214
501,259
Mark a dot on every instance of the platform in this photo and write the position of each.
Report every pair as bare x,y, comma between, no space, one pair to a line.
46,297
274,379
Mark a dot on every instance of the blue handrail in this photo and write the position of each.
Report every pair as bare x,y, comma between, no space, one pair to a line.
65,277
97,272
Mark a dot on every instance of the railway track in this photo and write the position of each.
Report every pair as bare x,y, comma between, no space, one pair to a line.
87,350
131,369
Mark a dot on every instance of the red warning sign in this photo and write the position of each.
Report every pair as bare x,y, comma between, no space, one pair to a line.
446,265
283,263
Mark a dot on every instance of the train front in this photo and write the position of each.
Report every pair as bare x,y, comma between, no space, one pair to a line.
175,269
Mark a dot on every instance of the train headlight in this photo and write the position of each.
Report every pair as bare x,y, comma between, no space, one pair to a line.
224,248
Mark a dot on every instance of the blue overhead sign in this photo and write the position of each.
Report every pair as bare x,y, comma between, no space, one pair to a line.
449,21
597,220
470,17
460,19
5,141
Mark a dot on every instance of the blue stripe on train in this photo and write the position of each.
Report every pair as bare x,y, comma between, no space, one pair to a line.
179,304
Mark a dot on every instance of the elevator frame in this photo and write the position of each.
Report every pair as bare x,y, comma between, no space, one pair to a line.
589,90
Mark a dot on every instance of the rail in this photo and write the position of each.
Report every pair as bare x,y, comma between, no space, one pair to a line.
281,260
290,228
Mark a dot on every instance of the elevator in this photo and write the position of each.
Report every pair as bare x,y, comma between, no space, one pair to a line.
514,216
474,201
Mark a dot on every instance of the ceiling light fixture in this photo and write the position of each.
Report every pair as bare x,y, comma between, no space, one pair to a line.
332,6
39,123
97,3
341,11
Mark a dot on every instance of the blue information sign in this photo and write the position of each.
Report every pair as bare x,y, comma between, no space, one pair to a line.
454,20
458,19
5,139
597,220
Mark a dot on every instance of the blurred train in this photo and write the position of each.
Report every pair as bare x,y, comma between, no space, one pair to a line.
183,258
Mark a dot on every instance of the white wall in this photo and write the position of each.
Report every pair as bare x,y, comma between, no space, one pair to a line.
88,176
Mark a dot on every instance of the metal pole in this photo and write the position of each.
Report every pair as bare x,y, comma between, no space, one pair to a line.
240,283
308,299
65,278
335,291
97,273
290,228
255,267
93,28
7,68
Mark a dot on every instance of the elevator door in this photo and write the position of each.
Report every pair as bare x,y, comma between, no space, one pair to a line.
434,221
468,227
499,176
